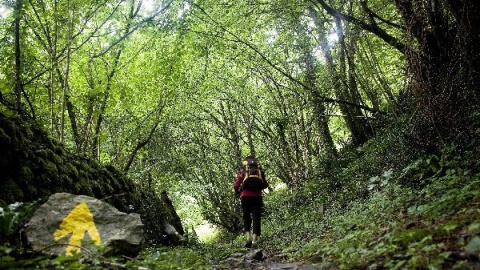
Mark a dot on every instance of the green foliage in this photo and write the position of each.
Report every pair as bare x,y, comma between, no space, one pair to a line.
12,221
473,245
168,258
359,171
177,99
217,89
13,259
396,226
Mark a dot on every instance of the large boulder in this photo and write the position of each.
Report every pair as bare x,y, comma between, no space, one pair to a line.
68,224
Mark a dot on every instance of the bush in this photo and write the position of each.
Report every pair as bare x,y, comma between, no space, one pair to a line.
12,220
397,224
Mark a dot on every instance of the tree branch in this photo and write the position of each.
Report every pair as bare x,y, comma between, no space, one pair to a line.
373,15
237,39
60,55
134,28
372,28
139,146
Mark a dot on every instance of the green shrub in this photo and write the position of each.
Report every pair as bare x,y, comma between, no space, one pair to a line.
12,219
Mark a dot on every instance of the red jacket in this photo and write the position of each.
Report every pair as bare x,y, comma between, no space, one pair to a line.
249,193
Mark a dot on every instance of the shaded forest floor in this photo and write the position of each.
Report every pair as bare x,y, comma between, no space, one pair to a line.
436,227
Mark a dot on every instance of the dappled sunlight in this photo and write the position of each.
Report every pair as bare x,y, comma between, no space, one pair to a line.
4,11
271,36
206,232
332,37
148,5
185,8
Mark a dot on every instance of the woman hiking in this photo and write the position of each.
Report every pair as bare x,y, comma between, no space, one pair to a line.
249,183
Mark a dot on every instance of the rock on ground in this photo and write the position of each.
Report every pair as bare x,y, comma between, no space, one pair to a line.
260,260
68,223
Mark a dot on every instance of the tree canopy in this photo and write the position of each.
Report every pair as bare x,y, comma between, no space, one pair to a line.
177,93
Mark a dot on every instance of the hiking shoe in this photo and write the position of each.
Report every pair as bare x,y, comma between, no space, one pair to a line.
248,244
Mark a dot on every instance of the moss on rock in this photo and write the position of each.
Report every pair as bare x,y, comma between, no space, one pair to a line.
77,188
32,191
50,168
11,191
26,174
71,170
56,158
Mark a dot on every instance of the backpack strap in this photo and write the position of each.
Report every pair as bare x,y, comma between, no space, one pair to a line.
258,175
247,172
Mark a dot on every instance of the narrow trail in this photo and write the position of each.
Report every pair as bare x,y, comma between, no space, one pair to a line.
260,259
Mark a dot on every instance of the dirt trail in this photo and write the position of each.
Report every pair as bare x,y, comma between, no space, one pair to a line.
260,259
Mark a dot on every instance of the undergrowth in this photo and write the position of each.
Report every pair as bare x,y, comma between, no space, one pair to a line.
422,216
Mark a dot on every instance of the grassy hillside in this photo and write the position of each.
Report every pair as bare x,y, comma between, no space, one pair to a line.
423,214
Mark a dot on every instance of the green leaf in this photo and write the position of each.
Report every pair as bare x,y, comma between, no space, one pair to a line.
399,264
445,255
350,250
7,259
474,227
450,227
474,245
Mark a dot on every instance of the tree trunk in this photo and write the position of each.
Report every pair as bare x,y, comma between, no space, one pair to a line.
103,106
327,144
139,146
110,74
347,89
354,118
66,85
18,63
250,123
443,62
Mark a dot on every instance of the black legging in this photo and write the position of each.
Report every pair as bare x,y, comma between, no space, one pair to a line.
252,211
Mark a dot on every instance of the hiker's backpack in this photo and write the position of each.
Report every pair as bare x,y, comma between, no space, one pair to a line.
252,175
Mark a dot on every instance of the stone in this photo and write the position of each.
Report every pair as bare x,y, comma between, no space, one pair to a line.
236,255
284,266
256,254
292,266
235,262
69,224
171,234
175,220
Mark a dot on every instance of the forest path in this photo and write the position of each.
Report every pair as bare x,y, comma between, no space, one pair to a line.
260,259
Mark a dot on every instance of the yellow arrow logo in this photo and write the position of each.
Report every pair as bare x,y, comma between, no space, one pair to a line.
79,221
